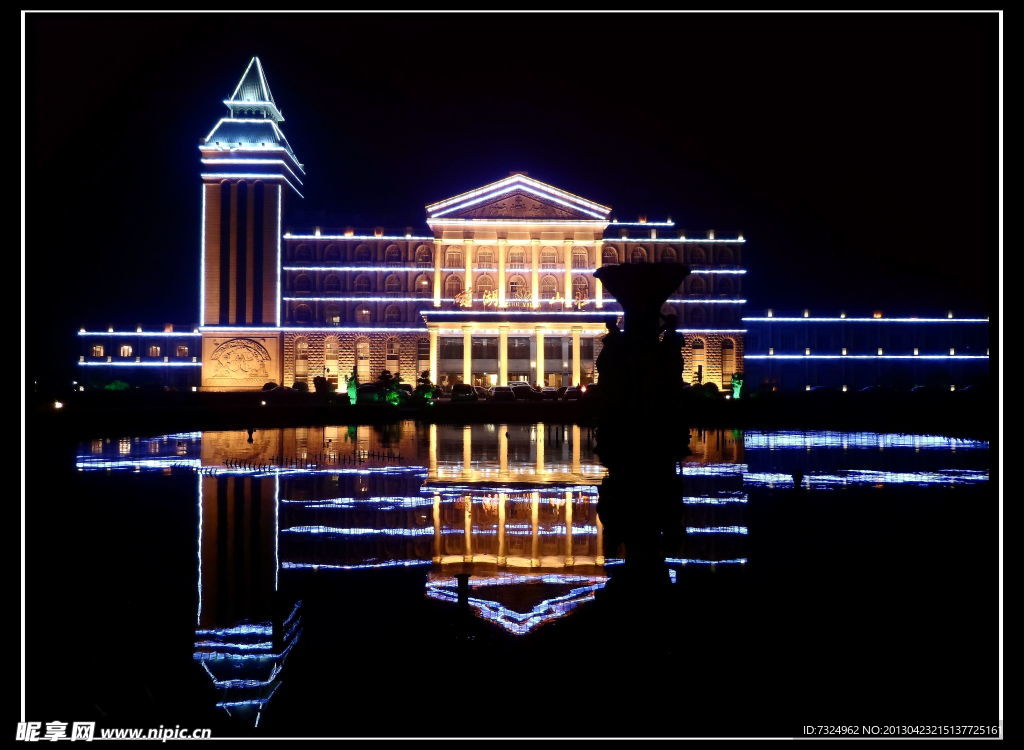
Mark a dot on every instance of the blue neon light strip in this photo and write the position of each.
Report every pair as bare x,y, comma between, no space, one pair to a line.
865,356
140,364
233,160
139,333
249,176
868,320
426,270
832,439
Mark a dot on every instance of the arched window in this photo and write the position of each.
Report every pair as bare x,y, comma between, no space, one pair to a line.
453,256
393,283
723,285
362,283
580,288
363,360
303,252
609,256
728,361
696,315
301,359
333,252
303,283
485,258
364,314
423,284
698,361
698,285
548,287
517,258
697,256
725,257
332,284
153,351
391,351
516,286
332,315
303,314
580,257
548,257
331,364
392,314
484,284
452,285
424,257
668,255
393,255
363,253
638,255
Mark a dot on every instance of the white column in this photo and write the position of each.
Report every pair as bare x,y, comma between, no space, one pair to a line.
468,248
502,243
535,272
575,357
438,260
502,355
432,332
467,355
567,286
598,286
540,356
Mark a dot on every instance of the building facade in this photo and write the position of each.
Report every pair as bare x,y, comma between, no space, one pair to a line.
497,286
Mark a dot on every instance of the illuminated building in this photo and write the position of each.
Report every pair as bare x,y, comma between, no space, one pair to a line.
795,352
498,286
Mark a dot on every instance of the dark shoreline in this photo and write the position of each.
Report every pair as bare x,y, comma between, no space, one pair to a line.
116,414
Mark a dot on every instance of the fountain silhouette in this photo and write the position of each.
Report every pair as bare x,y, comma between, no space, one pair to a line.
641,428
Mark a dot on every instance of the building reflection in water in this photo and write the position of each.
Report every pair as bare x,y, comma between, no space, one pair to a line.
502,518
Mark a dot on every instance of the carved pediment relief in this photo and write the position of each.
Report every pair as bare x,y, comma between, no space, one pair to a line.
519,205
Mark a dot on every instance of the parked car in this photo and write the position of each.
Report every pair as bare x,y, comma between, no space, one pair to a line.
464,392
481,393
549,394
524,391
572,393
502,393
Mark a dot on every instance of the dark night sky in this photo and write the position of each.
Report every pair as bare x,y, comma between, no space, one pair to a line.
856,152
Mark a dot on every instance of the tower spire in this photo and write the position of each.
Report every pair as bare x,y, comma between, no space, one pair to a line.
252,97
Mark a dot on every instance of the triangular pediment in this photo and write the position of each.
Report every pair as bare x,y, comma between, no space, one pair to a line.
521,198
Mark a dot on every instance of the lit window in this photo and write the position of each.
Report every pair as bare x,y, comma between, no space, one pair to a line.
364,315
126,350
548,258
453,257
548,287
485,258
153,351
97,350
484,284
610,256
517,258
580,258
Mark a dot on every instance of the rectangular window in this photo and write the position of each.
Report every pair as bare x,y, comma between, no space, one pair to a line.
518,348
97,350
153,351
182,351
586,348
485,348
552,347
451,348
423,349
126,350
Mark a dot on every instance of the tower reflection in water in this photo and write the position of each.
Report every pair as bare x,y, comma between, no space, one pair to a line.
502,518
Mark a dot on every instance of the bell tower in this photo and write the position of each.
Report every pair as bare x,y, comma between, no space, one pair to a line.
248,169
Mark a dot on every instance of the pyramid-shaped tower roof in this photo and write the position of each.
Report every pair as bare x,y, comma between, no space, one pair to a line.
252,97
